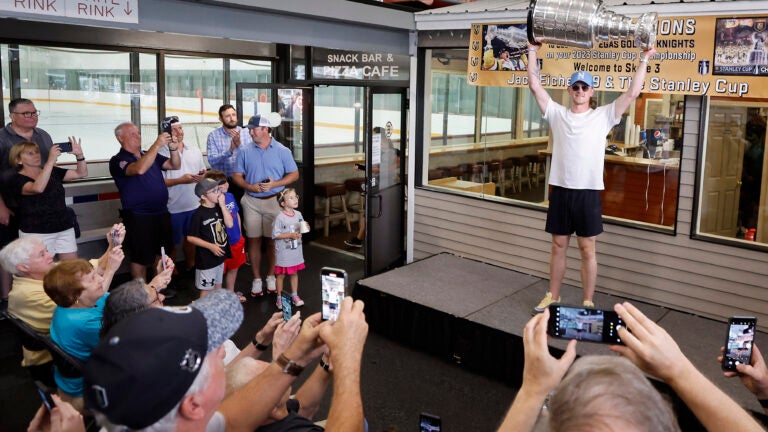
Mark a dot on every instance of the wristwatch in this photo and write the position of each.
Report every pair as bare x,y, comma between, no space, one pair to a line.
289,366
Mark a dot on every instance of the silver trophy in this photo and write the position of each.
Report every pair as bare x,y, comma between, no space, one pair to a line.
580,23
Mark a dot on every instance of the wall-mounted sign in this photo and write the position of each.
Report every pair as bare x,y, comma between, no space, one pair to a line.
126,11
358,65
702,55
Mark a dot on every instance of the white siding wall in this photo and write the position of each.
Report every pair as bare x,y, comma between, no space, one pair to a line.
699,277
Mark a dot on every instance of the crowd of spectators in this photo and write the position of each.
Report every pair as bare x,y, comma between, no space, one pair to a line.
148,366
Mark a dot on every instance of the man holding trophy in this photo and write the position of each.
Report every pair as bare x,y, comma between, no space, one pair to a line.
576,175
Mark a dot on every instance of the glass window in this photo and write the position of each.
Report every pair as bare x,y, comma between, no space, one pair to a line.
247,71
732,203
492,141
144,95
85,97
4,77
338,115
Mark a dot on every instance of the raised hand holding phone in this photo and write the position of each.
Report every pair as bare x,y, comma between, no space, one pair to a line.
738,342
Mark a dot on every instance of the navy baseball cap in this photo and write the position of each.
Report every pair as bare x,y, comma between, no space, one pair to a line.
582,76
146,363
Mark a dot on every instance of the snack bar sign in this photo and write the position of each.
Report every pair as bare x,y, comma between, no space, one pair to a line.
358,65
701,55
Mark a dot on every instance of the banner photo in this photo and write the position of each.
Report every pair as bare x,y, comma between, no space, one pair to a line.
702,55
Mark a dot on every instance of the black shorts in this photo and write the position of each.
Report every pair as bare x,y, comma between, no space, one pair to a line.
145,235
10,232
575,210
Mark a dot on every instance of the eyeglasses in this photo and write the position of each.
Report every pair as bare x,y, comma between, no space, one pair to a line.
28,114
578,86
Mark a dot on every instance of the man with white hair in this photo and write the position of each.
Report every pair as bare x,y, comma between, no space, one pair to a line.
262,170
162,369
143,195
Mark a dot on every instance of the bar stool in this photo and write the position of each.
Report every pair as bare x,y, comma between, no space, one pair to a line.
477,173
522,172
327,191
533,168
508,169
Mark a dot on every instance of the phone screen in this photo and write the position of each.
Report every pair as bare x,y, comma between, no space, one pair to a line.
584,324
162,256
287,306
333,285
738,342
429,423
45,395
66,146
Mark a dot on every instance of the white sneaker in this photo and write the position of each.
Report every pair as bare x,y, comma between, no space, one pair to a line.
271,284
256,288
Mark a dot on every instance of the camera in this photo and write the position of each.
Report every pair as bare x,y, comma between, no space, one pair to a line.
584,324
165,125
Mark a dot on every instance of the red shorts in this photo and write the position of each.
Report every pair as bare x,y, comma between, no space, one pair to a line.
289,270
238,256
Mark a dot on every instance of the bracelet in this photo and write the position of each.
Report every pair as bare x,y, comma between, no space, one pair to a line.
643,60
80,159
326,367
172,149
259,346
763,403
289,367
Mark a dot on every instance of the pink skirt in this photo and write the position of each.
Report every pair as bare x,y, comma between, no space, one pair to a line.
289,270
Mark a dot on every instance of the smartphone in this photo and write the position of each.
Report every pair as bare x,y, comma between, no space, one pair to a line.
584,324
285,301
333,283
66,146
115,238
738,342
162,256
360,167
45,395
429,423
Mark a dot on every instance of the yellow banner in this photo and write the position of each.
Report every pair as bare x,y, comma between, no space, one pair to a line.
703,55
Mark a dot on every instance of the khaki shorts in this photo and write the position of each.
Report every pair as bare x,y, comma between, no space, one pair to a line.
259,215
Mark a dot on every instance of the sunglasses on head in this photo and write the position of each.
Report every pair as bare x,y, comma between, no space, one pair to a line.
577,86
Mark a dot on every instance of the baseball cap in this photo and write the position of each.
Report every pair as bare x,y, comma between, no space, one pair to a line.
259,121
204,186
146,363
582,76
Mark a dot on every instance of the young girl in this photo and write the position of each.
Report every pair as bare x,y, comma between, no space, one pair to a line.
286,231
207,231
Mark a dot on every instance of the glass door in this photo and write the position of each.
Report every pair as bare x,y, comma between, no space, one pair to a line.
385,128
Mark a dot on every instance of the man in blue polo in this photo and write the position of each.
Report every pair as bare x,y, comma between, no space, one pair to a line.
262,170
139,178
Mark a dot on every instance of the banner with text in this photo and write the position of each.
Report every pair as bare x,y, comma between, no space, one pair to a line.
702,55
125,11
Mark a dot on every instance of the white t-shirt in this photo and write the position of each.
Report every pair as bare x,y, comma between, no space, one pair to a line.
578,150
182,198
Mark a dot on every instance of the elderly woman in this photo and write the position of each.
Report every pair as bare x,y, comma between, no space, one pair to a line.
79,293
28,260
42,211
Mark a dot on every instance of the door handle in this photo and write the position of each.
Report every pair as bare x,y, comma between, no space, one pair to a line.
378,213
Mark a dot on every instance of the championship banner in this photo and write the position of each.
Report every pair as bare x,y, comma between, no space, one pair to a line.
703,55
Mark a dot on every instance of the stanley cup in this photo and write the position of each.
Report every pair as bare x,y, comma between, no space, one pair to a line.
579,23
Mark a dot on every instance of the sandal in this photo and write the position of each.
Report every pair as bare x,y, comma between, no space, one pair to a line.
241,297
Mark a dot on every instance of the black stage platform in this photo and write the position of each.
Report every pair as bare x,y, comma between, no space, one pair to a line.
473,313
